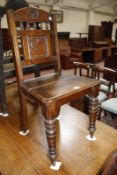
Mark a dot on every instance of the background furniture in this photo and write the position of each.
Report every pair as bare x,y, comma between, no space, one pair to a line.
108,87
110,106
63,40
111,61
82,69
40,45
67,56
101,33
82,41
96,33
94,55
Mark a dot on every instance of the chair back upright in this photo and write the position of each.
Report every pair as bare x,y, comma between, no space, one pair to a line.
108,85
34,38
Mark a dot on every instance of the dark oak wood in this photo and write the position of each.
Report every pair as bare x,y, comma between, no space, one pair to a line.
40,45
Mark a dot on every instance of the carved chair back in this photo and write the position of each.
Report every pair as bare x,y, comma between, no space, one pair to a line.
34,38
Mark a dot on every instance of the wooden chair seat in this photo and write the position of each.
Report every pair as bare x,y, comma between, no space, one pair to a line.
56,87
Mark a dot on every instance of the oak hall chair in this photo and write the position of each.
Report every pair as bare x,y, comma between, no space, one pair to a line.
34,35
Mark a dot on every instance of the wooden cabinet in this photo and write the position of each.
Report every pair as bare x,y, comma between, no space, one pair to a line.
98,55
96,33
101,33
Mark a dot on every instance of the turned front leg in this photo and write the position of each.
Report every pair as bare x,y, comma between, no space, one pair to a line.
50,112
93,106
50,127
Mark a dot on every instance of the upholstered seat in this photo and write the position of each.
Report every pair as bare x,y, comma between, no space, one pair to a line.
102,96
107,85
105,88
110,105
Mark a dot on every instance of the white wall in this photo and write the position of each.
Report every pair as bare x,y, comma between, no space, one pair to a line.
100,17
75,20
78,21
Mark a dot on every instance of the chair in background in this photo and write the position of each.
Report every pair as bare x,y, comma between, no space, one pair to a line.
82,69
68,56
85,69
107,87
34,35
109,106
108,78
